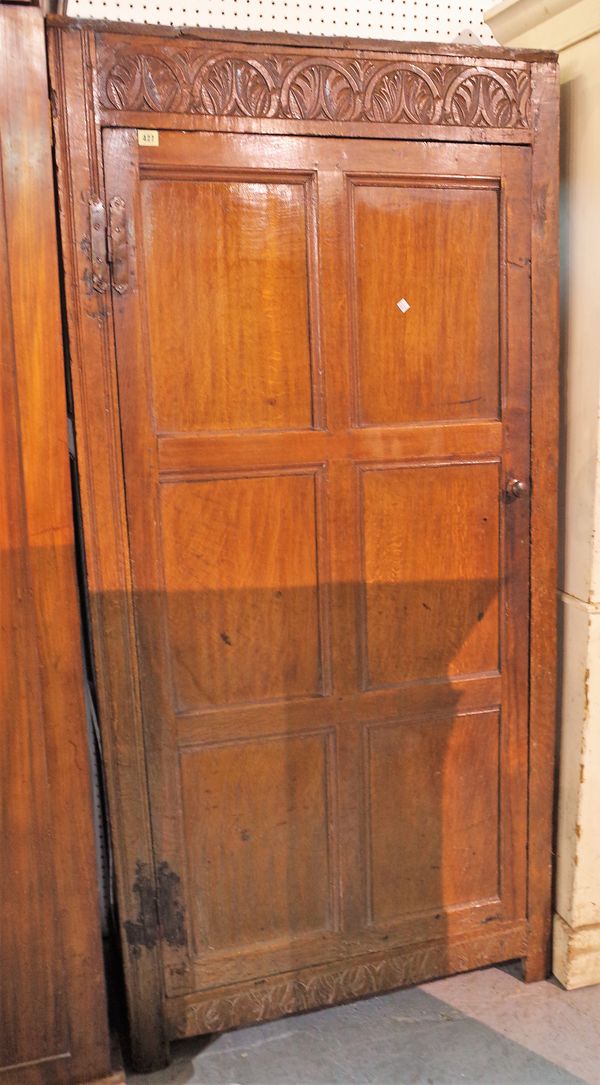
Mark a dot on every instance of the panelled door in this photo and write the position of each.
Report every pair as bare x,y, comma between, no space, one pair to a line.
323,352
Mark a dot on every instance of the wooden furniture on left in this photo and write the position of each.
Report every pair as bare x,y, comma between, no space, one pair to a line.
52,1000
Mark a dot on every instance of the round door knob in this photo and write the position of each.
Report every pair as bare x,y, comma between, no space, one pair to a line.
516,488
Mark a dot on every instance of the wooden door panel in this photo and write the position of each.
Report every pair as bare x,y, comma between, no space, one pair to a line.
235,266
269,844
425,263
242,589
433,803
329,586
431,571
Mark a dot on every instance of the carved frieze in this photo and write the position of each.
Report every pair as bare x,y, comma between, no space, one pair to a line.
165,78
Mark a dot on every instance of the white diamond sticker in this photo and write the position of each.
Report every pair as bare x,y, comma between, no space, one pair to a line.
403,305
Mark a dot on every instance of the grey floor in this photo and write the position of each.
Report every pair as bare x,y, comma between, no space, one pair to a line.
479,1028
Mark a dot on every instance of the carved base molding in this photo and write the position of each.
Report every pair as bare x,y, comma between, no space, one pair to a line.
279,996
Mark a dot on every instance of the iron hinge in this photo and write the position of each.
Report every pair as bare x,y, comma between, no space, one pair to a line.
161,911
98,246
118,244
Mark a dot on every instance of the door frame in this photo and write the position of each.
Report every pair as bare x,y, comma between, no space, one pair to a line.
127,76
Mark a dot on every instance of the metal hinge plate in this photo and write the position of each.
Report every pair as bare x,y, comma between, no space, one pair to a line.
118,244
98,246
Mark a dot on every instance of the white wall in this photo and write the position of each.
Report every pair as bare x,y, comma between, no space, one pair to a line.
573,28
409,20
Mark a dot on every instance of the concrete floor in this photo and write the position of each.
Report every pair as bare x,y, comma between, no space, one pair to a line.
479,1028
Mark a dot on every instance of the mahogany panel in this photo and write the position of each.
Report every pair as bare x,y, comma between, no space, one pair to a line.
241,583
258,849
433,801
426,298
235,266
34,1020
53,1021
431,571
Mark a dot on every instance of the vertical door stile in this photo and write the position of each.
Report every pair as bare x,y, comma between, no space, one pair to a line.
343,531
140,454
516,492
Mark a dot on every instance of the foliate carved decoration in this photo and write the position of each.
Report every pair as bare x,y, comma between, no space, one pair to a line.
277,998
167,79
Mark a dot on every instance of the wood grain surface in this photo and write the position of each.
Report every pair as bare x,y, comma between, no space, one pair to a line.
52,999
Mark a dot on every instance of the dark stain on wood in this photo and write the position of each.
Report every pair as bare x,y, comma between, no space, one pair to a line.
171,909
161,913
143,931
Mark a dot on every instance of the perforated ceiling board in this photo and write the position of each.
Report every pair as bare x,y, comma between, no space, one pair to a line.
403,20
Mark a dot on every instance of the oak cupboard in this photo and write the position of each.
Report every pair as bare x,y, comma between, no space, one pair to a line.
311,292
